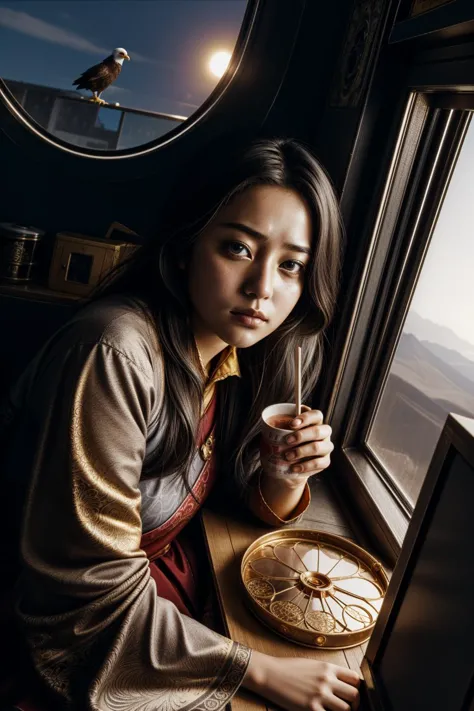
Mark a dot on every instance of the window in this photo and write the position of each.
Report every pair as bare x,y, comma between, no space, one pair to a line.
407,358
178,51
432,372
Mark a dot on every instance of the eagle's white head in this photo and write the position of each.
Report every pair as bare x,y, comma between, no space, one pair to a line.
120,54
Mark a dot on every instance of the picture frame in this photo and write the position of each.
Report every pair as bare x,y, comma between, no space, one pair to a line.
421,653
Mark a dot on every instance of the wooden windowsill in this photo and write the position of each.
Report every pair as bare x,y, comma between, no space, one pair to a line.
227,539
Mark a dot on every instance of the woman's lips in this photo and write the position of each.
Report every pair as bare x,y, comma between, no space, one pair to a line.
249,321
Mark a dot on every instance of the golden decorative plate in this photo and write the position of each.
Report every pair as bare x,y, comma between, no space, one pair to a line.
313,588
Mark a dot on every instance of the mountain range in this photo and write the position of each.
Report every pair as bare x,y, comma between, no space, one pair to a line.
428,357
426,330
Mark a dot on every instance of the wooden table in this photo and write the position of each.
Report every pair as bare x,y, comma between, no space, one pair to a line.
227,539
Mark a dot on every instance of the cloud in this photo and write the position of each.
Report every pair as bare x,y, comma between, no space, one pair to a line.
140,58
34,27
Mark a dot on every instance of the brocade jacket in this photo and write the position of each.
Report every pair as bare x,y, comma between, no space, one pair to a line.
86,413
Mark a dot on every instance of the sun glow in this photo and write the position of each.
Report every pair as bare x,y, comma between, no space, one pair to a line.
219,63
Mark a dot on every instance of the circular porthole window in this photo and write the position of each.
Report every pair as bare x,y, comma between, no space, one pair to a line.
114,75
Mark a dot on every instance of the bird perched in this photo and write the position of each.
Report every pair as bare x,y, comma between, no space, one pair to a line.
100,76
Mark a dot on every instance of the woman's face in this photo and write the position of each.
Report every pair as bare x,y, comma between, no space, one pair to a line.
253,255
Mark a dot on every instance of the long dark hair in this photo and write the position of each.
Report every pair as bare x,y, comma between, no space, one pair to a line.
152,277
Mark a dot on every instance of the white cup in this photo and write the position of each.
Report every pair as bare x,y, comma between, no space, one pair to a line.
273,442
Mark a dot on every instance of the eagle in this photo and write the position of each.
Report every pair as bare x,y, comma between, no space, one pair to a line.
102,75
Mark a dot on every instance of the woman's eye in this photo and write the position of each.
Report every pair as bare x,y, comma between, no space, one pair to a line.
234,248
295,267
237,249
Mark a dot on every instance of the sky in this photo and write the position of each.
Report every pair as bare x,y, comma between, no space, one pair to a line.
445,290
169,41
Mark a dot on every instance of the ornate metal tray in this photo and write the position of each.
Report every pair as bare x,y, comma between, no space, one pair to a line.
313,588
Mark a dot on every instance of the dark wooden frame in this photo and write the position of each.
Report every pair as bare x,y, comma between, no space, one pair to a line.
425,68
430,134
457,437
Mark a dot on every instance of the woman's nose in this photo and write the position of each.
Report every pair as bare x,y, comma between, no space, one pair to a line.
260,283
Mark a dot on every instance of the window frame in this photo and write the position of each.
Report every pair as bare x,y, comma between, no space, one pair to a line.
431,134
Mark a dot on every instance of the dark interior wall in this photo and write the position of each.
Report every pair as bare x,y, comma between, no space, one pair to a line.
305,89
25,324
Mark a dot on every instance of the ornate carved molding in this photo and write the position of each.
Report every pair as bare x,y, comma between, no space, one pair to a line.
360,49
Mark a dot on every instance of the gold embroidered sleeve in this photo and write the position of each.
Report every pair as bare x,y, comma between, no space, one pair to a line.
98,632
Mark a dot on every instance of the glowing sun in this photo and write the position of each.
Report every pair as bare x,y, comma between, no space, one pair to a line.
219,63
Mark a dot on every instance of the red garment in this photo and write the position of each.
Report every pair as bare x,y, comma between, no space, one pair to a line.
178,559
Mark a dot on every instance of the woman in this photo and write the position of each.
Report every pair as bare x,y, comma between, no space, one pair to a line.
142,403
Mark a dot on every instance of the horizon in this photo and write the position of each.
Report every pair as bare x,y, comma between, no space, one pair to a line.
435,323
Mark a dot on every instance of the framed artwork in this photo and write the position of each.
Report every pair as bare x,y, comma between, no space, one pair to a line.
421,652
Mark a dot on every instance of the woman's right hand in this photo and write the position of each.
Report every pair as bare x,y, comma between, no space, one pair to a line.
298,684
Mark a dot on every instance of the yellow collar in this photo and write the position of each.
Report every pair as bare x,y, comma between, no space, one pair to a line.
227,365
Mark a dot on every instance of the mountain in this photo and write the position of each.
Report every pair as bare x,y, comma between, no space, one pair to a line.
424,370
426,330
426,382
453,358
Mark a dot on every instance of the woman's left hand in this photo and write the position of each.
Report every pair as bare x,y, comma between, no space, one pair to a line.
310,452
